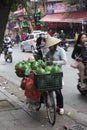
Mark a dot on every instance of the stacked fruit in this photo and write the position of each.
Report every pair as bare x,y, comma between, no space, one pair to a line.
24,68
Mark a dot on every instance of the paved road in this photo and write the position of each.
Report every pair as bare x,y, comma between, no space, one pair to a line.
72,97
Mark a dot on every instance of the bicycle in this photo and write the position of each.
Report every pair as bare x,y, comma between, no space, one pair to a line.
48,88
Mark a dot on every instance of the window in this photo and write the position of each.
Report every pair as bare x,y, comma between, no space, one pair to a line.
31,37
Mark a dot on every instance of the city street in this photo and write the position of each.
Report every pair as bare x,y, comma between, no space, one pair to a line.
75,103
30,24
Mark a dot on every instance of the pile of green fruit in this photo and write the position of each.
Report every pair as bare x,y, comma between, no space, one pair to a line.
24,68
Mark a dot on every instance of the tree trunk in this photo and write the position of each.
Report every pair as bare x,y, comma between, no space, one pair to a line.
4,12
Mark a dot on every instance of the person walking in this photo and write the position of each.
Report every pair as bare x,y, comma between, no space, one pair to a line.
50,32
56,55
17,38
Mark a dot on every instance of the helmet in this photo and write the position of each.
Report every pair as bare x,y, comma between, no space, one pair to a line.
7,40
61,31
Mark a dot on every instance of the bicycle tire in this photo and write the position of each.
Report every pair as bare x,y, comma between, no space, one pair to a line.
51,110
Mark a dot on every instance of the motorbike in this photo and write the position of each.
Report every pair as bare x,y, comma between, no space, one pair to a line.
64,44
8,53
7,49
84,57
84,91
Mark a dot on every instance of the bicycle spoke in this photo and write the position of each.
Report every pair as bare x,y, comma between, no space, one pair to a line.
51,112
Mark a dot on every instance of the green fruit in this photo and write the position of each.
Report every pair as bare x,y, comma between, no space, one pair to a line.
48,68
55,69
35,64
27,71
40,70
28,63
19,65
41,62
47,72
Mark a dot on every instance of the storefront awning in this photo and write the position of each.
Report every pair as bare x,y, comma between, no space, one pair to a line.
76,17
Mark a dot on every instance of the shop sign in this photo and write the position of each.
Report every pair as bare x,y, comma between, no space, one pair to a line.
25,24
58,8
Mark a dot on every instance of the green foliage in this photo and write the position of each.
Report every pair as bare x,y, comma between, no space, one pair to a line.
14,3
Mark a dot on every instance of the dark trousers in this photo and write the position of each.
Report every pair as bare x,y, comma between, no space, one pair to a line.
59,98
39,54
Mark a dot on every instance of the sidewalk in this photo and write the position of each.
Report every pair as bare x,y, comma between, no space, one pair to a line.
14,114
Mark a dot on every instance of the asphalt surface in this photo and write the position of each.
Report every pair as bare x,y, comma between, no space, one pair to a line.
14,113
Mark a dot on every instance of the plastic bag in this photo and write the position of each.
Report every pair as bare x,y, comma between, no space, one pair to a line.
30,89
74,64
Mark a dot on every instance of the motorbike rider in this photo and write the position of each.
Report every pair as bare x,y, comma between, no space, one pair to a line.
56,55
6,43
62,35
77,52
84,56
63,39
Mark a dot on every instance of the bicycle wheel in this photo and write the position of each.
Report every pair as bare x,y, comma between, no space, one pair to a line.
51,111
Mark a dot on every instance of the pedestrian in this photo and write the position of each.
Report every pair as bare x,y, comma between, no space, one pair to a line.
50,32
77,52
62,35
23,37
17,38
76,36
56,55
40,43
56,35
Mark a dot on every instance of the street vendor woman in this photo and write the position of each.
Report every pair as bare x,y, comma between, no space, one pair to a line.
56,55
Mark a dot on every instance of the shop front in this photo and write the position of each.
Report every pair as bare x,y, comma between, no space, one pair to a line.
69,22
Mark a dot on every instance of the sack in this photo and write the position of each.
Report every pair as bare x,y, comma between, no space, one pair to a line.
30,89
74,64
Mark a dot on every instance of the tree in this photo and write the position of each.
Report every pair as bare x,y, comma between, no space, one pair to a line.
5,7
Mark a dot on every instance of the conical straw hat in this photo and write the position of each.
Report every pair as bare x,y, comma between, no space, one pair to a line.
51,41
